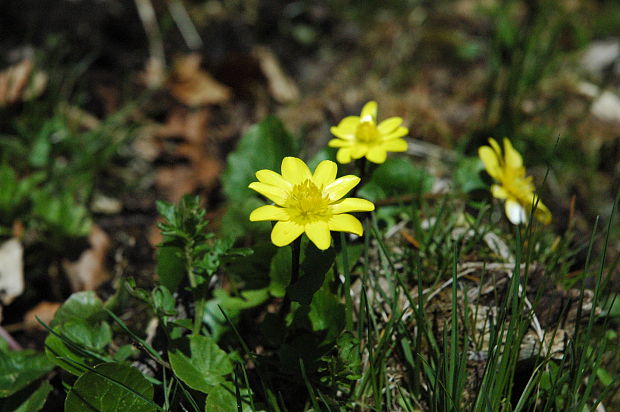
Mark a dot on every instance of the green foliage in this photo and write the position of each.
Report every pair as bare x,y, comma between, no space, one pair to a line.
15,193
20,369
204,368
111,387
80,335
467,175
222,398
263,146
187,246
396,177
27,402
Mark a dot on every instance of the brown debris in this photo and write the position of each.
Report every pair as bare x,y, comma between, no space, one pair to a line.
89,272
193,86
45,311
21,82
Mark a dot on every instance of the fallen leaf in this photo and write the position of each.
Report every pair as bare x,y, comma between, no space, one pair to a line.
11,270
184,141
21,82
45,311
176,181
89,271
193,86
281,86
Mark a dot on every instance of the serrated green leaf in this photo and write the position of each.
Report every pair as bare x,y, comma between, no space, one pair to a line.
20,368
111,387
206,366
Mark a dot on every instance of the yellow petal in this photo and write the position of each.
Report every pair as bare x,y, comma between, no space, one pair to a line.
268,212
272,178
491,162
358,150
389,125
499,192
351,204
400,132
284,232
343,134
369,111
295,170
515,212
346,223
325,173
344,155
395,145
341,187
376,154
495,147
542,213
512,157
340,143
273,193
318,233
348,124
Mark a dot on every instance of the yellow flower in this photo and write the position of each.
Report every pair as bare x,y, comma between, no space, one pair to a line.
306,202
359,136
513,186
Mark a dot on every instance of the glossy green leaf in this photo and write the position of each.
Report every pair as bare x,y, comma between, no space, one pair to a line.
204,368
397,176
81,342
315,264
82,306
280,272
111,387
20,368
327,313
26,401
467,175
263,146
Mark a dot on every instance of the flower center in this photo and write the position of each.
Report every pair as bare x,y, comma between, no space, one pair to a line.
367,131
307,203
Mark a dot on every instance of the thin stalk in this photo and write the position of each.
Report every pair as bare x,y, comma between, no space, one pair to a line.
348,308
199,300
295,257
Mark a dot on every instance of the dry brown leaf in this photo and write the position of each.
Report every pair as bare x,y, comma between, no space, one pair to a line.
21,82
11,270
281,86
45,311
185,136
89,271
193,86
176,181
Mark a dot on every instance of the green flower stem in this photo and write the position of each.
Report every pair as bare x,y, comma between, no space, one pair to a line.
295,257
348,308
199,301
295,260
